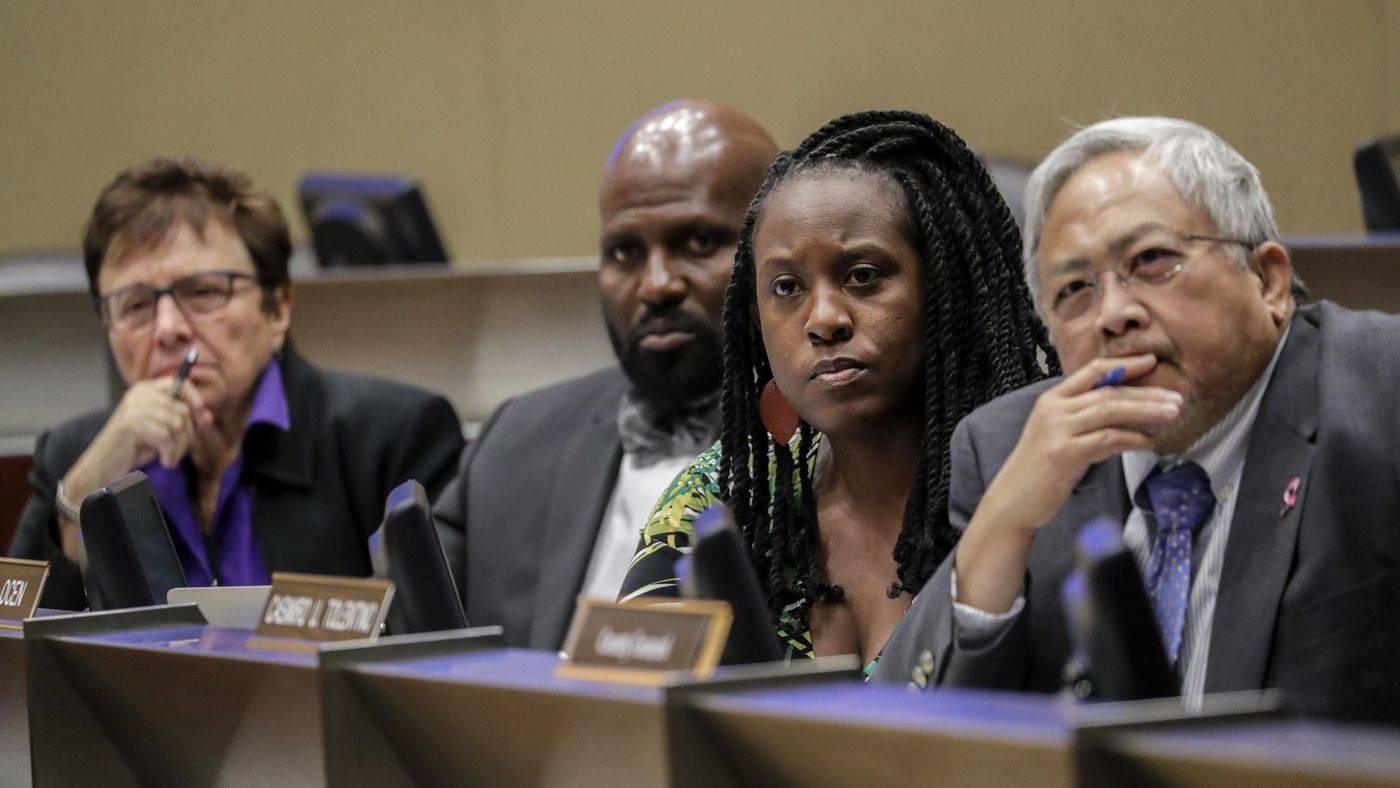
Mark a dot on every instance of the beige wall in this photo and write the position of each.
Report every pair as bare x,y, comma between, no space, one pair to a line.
508,107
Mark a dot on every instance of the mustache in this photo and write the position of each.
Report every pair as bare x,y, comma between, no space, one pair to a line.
666,322
1163,354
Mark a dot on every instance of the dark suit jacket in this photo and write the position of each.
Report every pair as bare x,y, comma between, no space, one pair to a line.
529,497
318,490
1309,597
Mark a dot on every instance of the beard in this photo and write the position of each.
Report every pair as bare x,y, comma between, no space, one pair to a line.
1212,401
670,379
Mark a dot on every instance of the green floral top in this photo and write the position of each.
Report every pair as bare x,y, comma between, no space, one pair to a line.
671,527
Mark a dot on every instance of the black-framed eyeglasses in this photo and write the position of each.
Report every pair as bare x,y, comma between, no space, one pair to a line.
196,295
1156,262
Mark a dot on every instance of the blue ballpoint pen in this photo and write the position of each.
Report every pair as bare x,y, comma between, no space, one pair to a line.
1113,377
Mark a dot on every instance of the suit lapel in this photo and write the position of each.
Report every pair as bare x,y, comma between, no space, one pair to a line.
279,460
1100,493
1263,532
587,474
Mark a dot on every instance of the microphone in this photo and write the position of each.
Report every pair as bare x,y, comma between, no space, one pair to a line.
718,567
1118,650
425,596
131,559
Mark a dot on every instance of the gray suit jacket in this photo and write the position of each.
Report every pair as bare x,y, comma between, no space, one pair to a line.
1309,598
520,520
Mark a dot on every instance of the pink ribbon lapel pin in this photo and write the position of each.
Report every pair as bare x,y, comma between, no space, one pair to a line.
1290,496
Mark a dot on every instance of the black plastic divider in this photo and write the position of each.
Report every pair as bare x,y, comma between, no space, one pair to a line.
108,621
356,751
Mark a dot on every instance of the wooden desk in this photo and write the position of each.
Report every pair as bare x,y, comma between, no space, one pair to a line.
1360,272
153,696
854,735
14,711
503,718
1267,753
857,734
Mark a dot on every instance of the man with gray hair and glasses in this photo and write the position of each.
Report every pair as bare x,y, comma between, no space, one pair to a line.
1246,442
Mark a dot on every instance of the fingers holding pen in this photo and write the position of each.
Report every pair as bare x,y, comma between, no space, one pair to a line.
1108,373
200,414
148,423
157,424
152,423
1096,412
1096,397
1090,416
1126,406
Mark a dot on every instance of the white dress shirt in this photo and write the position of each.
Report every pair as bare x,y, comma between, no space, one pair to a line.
637,490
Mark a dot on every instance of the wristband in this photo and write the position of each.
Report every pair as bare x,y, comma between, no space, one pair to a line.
65,507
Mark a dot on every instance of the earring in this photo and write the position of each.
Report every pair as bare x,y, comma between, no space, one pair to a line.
777,415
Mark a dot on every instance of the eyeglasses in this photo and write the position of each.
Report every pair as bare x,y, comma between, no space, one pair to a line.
1159,258
196,295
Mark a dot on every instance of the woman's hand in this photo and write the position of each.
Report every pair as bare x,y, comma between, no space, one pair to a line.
147,424
1071,427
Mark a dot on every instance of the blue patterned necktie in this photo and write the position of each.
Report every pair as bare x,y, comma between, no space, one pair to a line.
1181,500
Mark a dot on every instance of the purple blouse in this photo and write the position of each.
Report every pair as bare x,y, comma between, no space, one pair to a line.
229,554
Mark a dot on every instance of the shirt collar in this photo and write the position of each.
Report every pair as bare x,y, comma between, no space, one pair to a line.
650,434
270,400
1220,451
269,407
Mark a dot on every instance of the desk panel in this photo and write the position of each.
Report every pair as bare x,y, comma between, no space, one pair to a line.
14,704
153,696
144,709
1360,273
844,735
1266,753
477,333
503,718
494,718
14,711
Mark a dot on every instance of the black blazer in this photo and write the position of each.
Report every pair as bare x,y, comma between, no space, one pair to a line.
1309,597
520,520
318,490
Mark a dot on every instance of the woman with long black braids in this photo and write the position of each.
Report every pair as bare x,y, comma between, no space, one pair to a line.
876,299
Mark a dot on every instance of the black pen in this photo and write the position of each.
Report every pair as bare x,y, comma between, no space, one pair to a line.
183,374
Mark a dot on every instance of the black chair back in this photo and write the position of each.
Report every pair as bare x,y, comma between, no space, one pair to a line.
1377,164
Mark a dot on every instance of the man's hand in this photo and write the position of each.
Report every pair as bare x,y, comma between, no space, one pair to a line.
1071,427
148,423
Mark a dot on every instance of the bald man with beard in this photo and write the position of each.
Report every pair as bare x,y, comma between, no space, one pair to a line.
549,500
